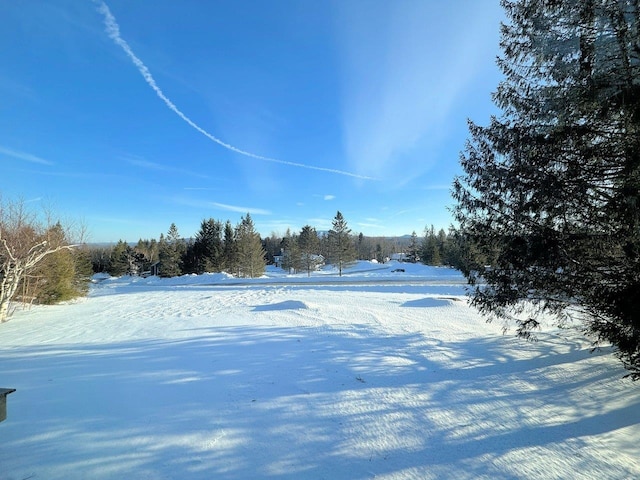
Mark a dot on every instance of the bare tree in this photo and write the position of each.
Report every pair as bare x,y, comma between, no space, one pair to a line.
24,242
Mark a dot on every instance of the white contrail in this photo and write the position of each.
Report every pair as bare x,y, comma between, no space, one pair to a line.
113,30
27,157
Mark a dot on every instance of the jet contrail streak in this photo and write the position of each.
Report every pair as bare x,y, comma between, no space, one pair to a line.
113,30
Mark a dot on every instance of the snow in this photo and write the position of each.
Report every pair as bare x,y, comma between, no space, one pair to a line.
371,375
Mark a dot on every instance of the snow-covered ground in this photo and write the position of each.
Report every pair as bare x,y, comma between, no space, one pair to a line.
376,374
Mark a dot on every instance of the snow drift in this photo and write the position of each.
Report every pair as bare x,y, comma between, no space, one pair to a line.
371,375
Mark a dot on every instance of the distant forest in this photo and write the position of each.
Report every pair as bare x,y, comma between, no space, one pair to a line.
239,250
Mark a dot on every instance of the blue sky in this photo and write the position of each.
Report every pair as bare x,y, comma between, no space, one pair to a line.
131,115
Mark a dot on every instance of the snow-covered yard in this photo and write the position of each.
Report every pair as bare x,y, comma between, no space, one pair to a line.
372,375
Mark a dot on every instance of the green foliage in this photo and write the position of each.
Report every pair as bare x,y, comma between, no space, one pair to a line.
207,249
145,254
63,275
119,263
291,255
379,254
250,254
308,244
229,249
431,251
341,247
83,269
551,189
54,279
272,247
170,253
100,259
413,251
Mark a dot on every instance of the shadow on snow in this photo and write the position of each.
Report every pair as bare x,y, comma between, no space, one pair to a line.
289,403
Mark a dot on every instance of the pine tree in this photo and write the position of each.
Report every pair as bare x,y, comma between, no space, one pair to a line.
414,248
229,250
190,260
291,256
251,261
100,259
61,276
379,253
119,259
341,248
208,247
170,251
363,248
430,253
308,244
551,187
272,247
441,247
146,253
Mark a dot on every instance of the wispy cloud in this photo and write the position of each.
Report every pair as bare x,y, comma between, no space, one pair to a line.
26,157
142,163
220,206
329,197
405,65
368,225
158,167
238,209
113,30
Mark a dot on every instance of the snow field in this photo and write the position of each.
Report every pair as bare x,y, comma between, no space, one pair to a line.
180,379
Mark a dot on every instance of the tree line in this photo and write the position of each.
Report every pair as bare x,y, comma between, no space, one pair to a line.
44,262
240,251
216,247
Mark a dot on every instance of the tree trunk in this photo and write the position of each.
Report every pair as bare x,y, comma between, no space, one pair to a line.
10,282
4,310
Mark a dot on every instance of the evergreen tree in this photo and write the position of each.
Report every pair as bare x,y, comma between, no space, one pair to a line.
272,247
146,253
362,248
208,247
170,252
53,280
341,248
291,256
229,250
119,259
414,248
308,244
379,253
61,276
441,242
551,187
100,259
83,269
324,247
430,251
190,260
251,261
